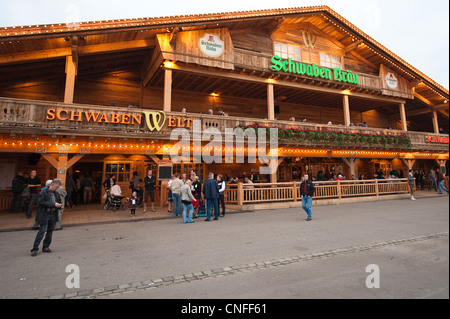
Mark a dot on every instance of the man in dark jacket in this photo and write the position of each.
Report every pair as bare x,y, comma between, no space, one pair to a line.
17,187
211,192
150,182
48,202
307,192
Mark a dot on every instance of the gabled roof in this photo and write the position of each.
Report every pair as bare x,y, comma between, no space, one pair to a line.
338,23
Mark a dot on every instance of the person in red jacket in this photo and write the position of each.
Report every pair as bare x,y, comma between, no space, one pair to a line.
306,193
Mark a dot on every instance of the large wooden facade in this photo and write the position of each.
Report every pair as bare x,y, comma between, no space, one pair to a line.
55,80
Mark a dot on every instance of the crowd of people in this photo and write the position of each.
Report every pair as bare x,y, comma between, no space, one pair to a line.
189,197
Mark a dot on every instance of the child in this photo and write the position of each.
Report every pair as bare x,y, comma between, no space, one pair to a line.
134,203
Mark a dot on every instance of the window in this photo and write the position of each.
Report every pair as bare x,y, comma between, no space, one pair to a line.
287,51
330,60
121,170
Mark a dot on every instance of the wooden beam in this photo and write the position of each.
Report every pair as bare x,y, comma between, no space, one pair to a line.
173,36
75,49
435,122
403,117
270,102
353,46
346,110
275,25
168,90
22,57
74,159
71,72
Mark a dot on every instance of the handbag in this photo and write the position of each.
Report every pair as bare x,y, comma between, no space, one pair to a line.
26,193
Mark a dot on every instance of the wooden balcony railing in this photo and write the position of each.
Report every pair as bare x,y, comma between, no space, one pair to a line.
30,117
290,192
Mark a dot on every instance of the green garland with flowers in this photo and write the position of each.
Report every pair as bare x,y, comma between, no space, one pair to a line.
338,138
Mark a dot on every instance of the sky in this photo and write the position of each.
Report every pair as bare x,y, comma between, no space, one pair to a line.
415,30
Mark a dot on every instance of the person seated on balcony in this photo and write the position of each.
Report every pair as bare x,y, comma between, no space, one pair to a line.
210,112
442,131
364,124
131,105
330,123
183,110
304,120
292,119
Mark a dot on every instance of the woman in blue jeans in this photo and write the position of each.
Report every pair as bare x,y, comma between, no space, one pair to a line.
186,201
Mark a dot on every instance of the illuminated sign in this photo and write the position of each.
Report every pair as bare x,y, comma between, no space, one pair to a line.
155,120
437,139
313,70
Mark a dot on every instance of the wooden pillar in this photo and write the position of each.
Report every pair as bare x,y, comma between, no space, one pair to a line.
270,102
168,90
435,121
62,164
346,110
409,163
240,194
351,162
61,170
403,116
71,72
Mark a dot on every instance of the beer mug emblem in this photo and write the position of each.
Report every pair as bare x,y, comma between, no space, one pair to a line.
155,120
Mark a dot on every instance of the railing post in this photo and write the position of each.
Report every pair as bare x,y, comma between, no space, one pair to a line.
339,189
240,194
377,191
294,191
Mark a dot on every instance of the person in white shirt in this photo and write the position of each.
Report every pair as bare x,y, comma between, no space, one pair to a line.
221,184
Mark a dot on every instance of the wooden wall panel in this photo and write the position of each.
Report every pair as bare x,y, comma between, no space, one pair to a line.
38,90
187,49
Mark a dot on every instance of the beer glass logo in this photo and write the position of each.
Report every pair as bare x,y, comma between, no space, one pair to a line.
155,120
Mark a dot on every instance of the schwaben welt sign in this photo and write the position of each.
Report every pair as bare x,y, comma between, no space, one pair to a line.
154,120
313,70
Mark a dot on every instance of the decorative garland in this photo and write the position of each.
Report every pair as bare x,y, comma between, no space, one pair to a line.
337,138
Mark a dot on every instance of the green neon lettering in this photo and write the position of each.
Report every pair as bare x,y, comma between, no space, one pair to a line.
276,63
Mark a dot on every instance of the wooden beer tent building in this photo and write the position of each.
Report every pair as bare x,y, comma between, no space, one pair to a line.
260,67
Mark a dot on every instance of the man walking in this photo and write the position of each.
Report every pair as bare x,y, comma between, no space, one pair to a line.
48,202
306,193
440,180
211,192
411,183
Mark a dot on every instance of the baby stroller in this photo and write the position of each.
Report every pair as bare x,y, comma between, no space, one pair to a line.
114,201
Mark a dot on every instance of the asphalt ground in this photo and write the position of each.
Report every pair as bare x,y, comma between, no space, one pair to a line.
263,254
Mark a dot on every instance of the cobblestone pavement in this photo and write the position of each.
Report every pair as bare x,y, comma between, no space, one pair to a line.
228,271
154,259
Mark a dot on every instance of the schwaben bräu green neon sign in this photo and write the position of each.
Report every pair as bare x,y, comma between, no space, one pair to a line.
313,70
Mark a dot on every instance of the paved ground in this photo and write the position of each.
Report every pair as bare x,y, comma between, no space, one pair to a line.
264,254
